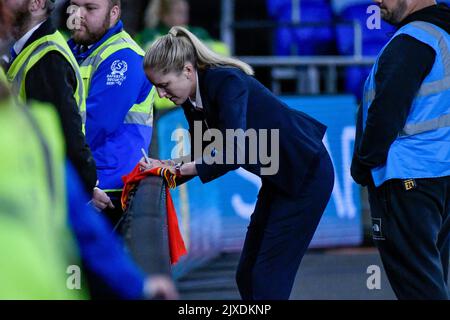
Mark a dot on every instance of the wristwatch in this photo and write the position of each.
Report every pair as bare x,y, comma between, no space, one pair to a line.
178,169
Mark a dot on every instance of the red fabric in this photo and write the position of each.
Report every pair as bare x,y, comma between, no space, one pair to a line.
176,243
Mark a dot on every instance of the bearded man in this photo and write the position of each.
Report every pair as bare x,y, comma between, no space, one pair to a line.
41,67
119,108
402,148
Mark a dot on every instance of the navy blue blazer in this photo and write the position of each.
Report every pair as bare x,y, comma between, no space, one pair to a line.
234,100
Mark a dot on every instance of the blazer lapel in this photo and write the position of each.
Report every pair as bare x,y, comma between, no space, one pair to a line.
204,94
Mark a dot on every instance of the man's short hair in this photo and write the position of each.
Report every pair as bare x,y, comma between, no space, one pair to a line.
114,3
50,5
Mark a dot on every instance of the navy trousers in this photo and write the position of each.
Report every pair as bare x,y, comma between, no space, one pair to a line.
411,228
280,231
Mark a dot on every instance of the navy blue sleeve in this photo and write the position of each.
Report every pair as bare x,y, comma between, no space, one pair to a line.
230,99
101,251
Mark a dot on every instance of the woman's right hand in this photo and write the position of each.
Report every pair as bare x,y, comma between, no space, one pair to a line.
143,165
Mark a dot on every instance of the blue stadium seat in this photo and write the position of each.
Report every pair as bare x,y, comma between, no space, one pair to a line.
339,5
372,43
308,40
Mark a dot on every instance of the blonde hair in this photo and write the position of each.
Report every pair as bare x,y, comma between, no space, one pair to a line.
172,51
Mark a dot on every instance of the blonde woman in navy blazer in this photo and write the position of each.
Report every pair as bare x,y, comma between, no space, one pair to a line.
220,93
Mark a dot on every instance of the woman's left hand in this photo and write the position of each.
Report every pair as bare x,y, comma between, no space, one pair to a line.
168,167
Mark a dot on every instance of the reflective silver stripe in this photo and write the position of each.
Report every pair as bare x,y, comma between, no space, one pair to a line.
83,117
20,75
370,96
89,61
98,57
434,124
443,47
434,87
440,85
96,60
142,118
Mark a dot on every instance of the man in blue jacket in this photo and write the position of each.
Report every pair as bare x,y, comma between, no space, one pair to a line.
402,149
118,116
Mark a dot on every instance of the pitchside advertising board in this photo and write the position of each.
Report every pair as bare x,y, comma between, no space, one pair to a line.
213,217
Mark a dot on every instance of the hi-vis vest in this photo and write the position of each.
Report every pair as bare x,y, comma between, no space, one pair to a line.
36,243
141,113
30,55
422,149
3,79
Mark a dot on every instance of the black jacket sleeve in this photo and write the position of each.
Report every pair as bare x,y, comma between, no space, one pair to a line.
53,80
401,70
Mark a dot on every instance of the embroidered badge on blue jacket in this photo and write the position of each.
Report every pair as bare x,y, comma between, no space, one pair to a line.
117,75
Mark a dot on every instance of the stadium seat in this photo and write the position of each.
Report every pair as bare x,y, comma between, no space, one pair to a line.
339,5
373,40
307,40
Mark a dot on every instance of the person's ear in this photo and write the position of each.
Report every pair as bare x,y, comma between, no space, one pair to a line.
35,5
115,15
189,70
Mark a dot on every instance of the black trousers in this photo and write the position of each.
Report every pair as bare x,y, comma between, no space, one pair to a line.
411,227
114,215
100,290
280,231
